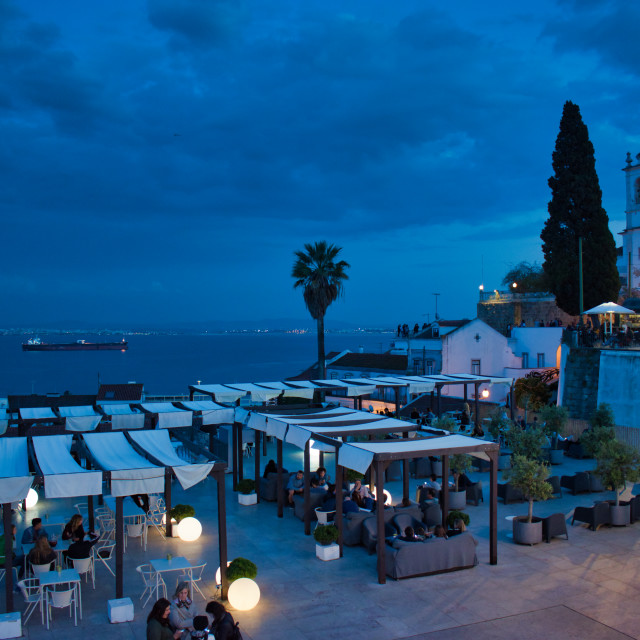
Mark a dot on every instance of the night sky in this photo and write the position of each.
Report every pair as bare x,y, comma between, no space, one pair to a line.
162,160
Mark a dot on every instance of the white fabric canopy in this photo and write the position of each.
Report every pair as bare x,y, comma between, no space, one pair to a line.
609,307
212,413
130,472
63,476
297,436
84,418
351,388
158,445
39,413
169,417
358,456
259,394
220,392
123,417
15,480
289,390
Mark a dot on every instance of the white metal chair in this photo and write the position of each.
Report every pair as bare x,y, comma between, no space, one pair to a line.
60,600
157,520
3,572
138,530
194,576
150,580
82,508
30,590
85,566
37,569
104,554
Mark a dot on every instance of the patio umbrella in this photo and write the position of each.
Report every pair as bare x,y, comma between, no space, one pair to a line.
610,308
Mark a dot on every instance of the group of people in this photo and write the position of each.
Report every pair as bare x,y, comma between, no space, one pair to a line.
419,534
403,330
182,619
319,481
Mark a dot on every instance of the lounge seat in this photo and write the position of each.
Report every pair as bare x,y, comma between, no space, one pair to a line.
554,525
474,493
635,508
556,487
352,527
594,516
577,483
509,493
431,514
269,486
595,484
370,533
403,520
316,499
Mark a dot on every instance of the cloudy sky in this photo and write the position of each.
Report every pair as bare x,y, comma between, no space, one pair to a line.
161,160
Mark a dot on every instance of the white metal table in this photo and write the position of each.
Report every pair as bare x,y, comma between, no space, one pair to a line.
179,563
66,576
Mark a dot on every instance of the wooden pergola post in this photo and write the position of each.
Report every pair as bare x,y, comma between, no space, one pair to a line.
493,507
382,572
8,556
476,387
234,454
239,451
279,487
338,516
222,533
256,447
167,499
444,495
120,546
307,490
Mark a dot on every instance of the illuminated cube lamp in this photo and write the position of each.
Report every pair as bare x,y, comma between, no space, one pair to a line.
189,529
32,498
244,594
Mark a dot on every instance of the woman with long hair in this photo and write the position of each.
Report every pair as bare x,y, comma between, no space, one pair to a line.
158,625
73,527
42,553
183,611
222,623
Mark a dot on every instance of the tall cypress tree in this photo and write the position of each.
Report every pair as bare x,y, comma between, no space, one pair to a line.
575,211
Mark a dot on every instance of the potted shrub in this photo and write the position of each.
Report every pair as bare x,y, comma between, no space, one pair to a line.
602,430
530,477
180,512
247,492
531,392
458,463
455,515
499,423
326,536
618,463
241,568
555,420
444,423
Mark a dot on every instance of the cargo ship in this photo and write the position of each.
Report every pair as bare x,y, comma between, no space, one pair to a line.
35,344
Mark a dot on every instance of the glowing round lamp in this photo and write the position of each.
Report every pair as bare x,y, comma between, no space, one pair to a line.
244,594
386,493
32,498
189,529
219,575
485,393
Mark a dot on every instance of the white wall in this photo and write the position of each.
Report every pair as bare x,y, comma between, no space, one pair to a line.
535,340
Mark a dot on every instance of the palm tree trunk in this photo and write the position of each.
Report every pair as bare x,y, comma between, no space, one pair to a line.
321,365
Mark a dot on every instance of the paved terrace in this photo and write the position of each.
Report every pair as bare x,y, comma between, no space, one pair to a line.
587,587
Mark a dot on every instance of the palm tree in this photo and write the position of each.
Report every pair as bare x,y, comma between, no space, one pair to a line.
322,278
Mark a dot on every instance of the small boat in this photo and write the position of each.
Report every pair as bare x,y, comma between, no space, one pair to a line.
35,344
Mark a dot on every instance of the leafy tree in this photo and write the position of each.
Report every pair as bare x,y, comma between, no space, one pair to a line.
575,211
322,279
459,463
531,393
601,432
499,422
530,278
618,463
525,442
530,477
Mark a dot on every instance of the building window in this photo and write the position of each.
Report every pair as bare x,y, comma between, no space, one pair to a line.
334,375
347,375
540,360
475,367
429,367
416,366
525,360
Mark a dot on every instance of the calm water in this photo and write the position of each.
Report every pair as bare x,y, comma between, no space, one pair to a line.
169,364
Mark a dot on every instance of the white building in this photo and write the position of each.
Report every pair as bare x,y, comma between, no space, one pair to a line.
629,258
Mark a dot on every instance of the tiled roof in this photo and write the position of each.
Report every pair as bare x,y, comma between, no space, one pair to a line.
372,361
131,392
427,334
312,372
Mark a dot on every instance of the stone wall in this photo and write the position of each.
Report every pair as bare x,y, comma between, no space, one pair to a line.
498,313
581,373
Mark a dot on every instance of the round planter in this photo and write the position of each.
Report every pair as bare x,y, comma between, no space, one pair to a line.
527,532
556,456
620,515
247,499
504,462
436,467
457,500
327,552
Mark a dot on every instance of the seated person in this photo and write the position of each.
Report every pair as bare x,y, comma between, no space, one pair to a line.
409,535
433,483
271,467
405,504
200,628
35,531
42,553
465,416
422,533
430,417
349,506
477,432
74,526
431,496
363,491
295,485
439,531
458,528
321,477
463,481
80,548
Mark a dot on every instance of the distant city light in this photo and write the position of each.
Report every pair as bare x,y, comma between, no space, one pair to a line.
481,287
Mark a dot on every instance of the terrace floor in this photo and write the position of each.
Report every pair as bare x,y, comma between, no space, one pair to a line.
586,587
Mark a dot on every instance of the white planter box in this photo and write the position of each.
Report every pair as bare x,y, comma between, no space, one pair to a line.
174,528
10,625
328,551
248,499
120,610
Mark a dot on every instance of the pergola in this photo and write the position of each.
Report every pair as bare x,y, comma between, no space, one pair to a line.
377,455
